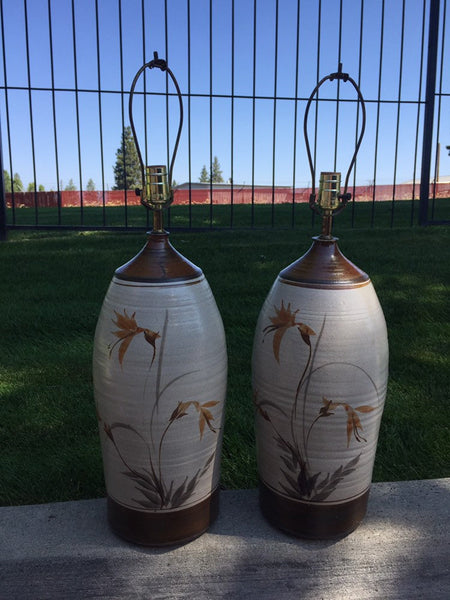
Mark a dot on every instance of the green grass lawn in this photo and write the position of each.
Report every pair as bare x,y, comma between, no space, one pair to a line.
52,286
401,213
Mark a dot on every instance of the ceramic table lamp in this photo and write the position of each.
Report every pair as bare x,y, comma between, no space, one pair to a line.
160,370
320,366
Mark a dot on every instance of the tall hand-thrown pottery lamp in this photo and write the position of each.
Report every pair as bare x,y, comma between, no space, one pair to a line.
320,365
160,369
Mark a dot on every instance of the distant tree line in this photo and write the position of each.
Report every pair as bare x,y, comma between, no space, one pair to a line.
127,171
214,175
16,184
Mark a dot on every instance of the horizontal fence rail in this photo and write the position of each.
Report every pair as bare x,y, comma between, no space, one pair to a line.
246,70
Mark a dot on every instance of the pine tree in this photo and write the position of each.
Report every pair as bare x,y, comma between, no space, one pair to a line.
17,183
31,187
127,170
90,186
216,176
204,177
70,187
6,181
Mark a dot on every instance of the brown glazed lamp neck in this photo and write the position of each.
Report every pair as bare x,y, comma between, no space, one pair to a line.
158,261
324,265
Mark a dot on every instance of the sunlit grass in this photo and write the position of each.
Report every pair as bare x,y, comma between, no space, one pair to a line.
380,214
51,289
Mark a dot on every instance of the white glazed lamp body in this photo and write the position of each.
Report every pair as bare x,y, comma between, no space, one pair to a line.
320,366
160,368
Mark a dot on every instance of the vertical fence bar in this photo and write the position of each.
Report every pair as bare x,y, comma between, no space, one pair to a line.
232,120
189,109
253,115
77,112
338,89
399,99
100,115
419,106
8,126
55,131
210,114
433,31
438,122
144,81
316,102
30,107
294,154
3,231
166,47
361,33
274,135
122,100
377,127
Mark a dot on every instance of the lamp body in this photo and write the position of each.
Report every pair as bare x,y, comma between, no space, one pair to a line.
319,370
159,370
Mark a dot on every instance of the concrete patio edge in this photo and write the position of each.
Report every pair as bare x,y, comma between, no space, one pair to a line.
66,551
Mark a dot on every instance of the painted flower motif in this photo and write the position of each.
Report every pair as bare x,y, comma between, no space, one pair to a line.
283,320
354,425
180,411
205,415
127,330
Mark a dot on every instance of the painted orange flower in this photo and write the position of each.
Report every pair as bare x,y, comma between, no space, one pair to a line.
127,330
180,411
283,320
205,415
354,425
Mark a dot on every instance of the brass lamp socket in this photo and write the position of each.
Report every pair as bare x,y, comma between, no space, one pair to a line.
329,190
157,186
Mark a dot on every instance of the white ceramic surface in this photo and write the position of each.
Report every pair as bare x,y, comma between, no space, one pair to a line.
160,368
320,366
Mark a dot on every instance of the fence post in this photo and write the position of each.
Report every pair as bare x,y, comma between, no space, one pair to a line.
2,195
433,30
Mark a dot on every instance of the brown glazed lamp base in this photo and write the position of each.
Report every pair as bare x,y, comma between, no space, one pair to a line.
163,529
312,520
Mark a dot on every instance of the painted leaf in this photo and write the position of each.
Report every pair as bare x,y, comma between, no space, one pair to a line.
210,404
207,464
151,496
178,493
277,342
365,409
290,492
124,347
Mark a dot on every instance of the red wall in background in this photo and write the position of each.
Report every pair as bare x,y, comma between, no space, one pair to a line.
262,195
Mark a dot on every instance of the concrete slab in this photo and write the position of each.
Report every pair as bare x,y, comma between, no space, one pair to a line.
66,551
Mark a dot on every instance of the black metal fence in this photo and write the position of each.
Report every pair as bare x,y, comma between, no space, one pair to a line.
246,69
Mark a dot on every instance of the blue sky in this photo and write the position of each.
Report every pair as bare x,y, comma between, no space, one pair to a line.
395,156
